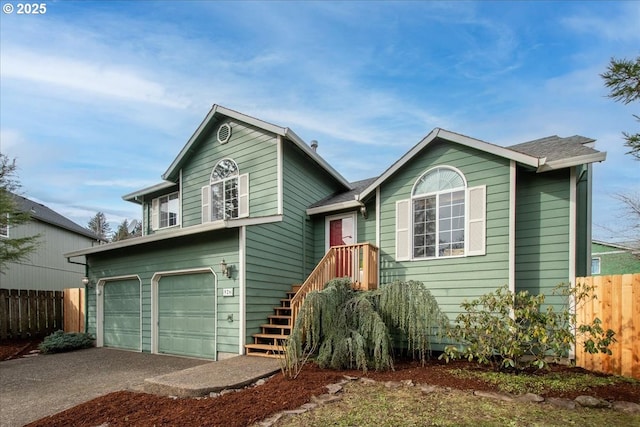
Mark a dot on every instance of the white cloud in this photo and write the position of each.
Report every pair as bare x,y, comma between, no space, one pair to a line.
106,80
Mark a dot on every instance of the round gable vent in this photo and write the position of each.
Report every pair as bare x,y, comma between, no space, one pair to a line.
224,133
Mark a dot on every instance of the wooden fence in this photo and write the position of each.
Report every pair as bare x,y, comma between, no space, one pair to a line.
617,305
26,313
73,310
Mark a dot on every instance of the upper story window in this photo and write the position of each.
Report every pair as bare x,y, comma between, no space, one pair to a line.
442,218
165,211
227,195
595,265
438,201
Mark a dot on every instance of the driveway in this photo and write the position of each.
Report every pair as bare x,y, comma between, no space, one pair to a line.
35,387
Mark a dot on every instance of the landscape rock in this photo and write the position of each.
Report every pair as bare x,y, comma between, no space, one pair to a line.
428,389
493,395
592,402
333,388
350,378
530,398
364,380
562,403
627,407
393,384
268,422
323,399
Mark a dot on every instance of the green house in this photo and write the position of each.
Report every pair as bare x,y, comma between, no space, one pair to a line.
611,258
249,218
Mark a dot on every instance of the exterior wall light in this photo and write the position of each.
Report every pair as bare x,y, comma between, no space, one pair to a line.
226,269
85,280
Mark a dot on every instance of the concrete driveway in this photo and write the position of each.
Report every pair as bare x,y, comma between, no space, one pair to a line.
35,387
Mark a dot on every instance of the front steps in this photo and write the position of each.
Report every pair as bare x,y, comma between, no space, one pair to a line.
270,342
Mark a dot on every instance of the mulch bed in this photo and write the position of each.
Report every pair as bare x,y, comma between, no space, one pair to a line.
126,408
15,348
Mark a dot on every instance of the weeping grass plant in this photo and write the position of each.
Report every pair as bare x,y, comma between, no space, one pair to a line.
347,329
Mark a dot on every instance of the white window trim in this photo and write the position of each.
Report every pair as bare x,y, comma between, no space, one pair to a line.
328,220
155,212
438,193
599,259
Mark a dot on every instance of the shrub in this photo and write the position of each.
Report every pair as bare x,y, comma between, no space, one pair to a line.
350,329
509,330
60,341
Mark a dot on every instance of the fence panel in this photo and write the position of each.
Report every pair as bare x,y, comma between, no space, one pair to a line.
29,313
74,310
617,304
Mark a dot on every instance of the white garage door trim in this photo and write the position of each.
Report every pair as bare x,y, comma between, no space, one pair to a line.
154,302
100,306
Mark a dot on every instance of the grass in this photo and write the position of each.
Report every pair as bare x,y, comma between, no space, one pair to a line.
520,384
376,405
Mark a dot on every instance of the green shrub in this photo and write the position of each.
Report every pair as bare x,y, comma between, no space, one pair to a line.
60,341
347,329
508,330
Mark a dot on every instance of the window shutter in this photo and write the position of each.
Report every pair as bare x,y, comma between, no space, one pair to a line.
476,223
155,214
243,195
403,232
206,203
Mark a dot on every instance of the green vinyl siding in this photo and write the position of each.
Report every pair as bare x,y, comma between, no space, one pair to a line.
615,260
451,280
205,250
281,254
542,231
253,150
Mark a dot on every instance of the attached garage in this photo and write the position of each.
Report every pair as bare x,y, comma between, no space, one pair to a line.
120,303
185,311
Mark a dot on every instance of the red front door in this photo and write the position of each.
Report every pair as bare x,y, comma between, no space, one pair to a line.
341,232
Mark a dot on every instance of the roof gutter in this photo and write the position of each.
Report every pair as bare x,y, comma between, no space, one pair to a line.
334,207
572,161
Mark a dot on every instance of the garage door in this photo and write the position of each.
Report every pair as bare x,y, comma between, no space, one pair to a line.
121,324
186,315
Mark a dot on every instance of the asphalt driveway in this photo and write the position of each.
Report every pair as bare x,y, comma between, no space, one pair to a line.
35,387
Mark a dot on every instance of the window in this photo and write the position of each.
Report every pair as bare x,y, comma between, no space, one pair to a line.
595,265
4,227
439,214
443,218
165,211
226,196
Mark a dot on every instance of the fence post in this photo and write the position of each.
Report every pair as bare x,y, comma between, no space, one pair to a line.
4,314
14,314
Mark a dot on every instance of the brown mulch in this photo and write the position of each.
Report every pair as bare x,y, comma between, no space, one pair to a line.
16,348
125,408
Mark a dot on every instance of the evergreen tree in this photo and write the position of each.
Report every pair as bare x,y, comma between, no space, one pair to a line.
623,79
12,249
99,225
124,230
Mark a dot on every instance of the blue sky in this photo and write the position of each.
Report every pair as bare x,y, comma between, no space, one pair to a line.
97,97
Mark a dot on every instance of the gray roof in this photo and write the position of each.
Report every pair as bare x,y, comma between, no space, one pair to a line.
356,189
549,153
42,213
556,148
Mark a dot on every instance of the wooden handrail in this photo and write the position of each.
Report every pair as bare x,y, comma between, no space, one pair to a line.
340,261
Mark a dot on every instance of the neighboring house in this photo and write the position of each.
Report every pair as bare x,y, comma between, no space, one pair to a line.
609,258
247,209
46,268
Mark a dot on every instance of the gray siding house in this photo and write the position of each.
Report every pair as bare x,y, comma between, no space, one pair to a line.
248,218
46,269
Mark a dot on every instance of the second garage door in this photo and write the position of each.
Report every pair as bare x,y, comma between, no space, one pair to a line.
186,315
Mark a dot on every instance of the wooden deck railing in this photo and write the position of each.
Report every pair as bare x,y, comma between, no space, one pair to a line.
357,262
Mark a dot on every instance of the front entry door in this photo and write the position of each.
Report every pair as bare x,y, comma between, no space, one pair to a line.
341,230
